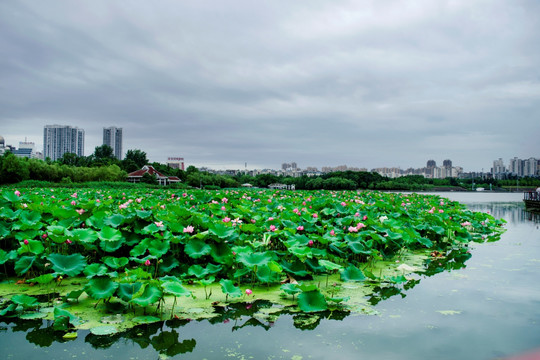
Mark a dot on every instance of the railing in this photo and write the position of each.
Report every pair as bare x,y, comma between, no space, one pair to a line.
531,195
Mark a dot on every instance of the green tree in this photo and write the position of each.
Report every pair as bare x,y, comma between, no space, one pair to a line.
14,169
137,156
149,179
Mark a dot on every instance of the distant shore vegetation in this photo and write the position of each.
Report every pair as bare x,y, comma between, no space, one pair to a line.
102,169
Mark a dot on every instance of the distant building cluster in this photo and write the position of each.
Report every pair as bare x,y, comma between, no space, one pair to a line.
516,167
25,149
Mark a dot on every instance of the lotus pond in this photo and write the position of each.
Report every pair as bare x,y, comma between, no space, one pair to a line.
85,268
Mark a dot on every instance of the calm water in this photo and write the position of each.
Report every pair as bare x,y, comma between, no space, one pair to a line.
488,309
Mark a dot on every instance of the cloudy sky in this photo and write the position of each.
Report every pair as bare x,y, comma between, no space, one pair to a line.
322,83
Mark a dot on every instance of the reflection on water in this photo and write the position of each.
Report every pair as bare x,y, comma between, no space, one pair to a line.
484,303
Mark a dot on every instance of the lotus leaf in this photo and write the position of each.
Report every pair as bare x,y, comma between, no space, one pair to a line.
158,248
148,294
312,301
114,220
175,288
127,290
42,279
115,263
109,234
100,288
87,236
104,330
95,270
24,264
251,260
70,265
33,247
25,301
228,288
352,273
197,248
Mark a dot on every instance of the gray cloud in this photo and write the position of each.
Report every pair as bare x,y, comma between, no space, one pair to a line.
367,84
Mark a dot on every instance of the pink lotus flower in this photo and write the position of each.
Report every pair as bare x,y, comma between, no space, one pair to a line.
188,229
353,229
68,241
272,228
315,216
147,262
270,218
25,242
343,203
249,292
17,192
332,232
310,243
80,211
44,236
159,223
73,203
223,208
163,206
466,223
431,210
226,219
224,200
138,200
364,218
74,195
441,211
357,214
360,225
300,228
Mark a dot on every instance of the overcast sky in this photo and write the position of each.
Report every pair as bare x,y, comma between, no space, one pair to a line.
322,83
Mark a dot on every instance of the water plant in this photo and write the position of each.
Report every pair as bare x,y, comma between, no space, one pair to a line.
139,247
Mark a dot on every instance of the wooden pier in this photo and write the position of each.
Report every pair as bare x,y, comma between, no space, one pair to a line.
532,200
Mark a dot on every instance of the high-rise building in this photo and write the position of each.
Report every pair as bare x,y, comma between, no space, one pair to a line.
112,136
61,139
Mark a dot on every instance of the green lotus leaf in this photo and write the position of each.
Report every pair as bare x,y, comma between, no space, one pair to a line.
32,316
152,229
30,218
251,260
111,246
87,236
330,266
70,265
302,252
11,196
425,241
25,301
241,272
138,274
4,229
291,289
114,220
100,288
148,294
221,253
198,271
145,319
275,267
107,233
24,264
312,301
175,288
143,214
222,231
266,276
228,288
63,319
42,279
9,214
352,273
167,264
73,295
127,290
104,330
158,248
197,248
33,247
358,247
95,269
296,268
55,230
206,282
115,263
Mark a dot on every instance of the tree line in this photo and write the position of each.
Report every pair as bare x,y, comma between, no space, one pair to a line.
102,166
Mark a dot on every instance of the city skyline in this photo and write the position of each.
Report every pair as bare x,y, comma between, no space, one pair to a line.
364,84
